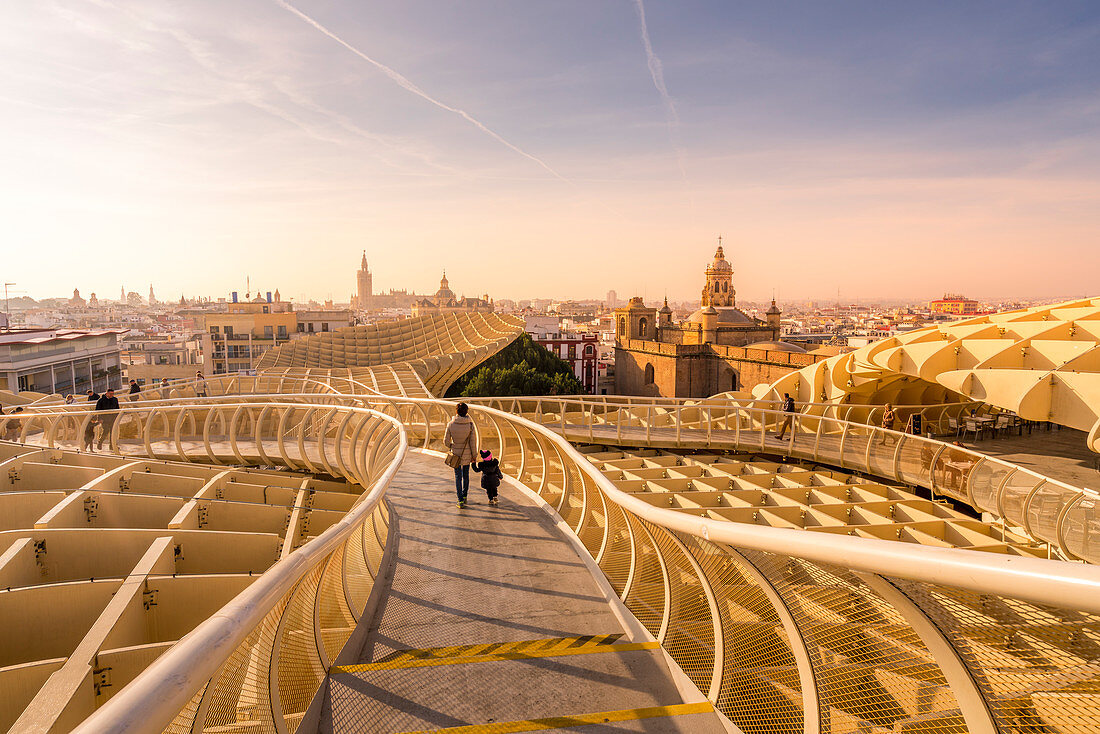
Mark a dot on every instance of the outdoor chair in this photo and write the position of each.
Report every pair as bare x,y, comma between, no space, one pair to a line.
954,425
971,426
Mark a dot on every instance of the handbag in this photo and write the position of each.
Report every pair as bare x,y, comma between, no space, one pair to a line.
454,460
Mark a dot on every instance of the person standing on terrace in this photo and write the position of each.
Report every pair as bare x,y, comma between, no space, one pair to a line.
107,408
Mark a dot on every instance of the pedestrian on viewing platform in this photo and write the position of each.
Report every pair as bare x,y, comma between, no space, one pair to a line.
789,410
135,389
889,418
107,407
461,440
491,475
89,434
200,385
92,396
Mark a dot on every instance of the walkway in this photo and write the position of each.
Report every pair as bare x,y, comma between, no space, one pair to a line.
493,619
1061,454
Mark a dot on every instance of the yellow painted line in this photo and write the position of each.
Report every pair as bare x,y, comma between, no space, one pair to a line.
561,722
495,656
499,647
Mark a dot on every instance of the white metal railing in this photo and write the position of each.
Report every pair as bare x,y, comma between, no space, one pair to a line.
1054,512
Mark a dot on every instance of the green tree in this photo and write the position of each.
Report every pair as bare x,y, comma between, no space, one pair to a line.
521,368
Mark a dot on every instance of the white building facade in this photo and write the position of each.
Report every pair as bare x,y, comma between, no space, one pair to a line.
60,360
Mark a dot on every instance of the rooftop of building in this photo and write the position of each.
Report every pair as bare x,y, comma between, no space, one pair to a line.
47,335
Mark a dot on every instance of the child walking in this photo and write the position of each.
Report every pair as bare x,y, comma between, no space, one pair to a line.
490,475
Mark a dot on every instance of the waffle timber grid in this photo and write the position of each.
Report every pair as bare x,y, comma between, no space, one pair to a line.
440,348
111,559
1042,363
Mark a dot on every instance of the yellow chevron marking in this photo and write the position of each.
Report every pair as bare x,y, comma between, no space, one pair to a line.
561,722
498,647
495,656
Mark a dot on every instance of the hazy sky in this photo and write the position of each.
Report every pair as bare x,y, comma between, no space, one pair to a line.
537,149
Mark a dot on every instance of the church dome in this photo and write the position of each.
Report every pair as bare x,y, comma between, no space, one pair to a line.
774,346
444,293
727,316
720,262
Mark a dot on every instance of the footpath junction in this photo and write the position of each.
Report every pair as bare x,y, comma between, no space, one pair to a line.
283,553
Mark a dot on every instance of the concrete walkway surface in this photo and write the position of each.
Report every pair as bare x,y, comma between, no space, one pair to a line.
493,623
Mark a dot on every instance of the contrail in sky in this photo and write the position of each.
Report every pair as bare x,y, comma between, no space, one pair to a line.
404,83
657,71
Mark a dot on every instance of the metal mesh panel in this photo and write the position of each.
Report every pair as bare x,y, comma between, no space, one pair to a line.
591,532
185,719
872,670
690,639
760,687
1037,667
371,547
357,576
240,692
646,595
333,615
618,555
300,671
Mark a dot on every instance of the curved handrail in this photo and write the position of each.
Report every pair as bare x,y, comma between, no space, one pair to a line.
989,484
764,418
986,572
153,699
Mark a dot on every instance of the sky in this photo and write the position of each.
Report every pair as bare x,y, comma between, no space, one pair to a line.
551,149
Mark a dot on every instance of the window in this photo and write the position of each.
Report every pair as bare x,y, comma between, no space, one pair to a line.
228,331
589,352
282,332
214,330
642,324
622,326
268,332
311,328
301,328
267,309
572,351
324,326
649,377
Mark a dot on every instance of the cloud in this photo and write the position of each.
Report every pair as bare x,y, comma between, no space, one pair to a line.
404,83
657,72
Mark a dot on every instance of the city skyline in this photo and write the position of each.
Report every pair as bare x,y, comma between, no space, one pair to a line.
207,143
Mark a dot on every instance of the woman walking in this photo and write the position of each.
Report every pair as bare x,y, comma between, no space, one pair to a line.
461,441
888,419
